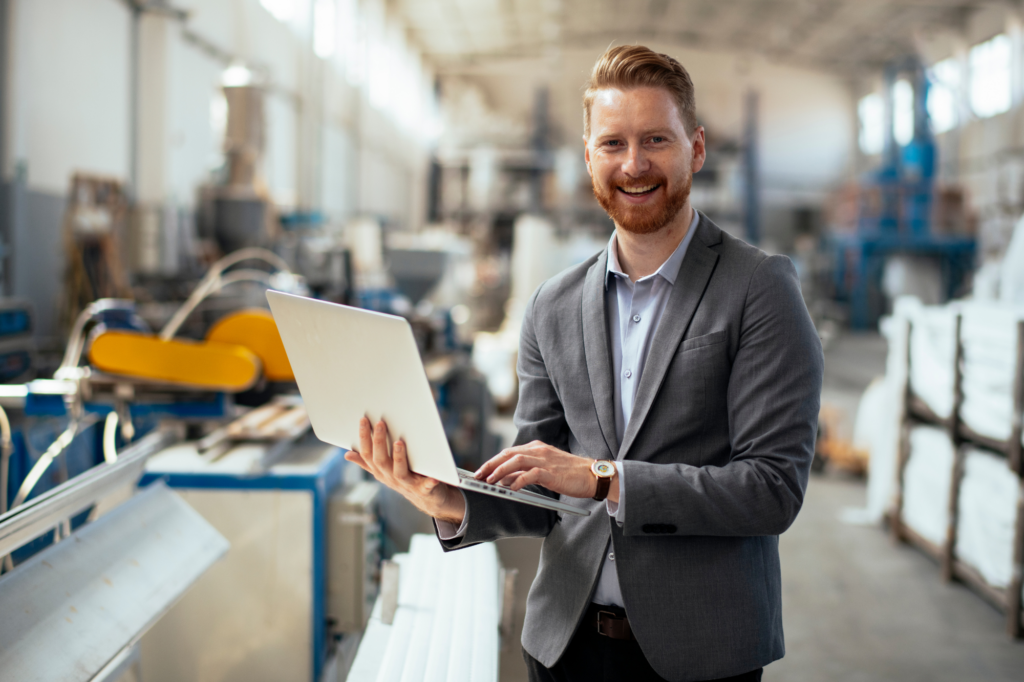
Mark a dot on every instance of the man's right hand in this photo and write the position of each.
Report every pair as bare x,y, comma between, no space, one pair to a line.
437,499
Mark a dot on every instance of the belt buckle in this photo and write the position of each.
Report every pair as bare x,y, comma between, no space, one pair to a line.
611,616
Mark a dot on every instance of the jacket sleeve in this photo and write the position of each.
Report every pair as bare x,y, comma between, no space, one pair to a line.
539,416
773,398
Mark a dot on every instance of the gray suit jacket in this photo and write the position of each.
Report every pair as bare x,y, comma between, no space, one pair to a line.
716,458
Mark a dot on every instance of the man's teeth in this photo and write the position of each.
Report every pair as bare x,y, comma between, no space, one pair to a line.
637,190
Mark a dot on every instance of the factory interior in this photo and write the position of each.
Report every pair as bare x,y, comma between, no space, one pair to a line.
167,512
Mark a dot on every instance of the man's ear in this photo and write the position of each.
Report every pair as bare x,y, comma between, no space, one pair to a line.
586,156
699,150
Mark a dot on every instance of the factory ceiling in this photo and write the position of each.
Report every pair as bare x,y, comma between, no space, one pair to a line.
846,36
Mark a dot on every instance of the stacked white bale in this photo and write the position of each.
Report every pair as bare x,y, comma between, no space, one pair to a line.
986,514
926,483
989,337
932,355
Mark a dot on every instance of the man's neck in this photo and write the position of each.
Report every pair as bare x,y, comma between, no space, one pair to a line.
642,254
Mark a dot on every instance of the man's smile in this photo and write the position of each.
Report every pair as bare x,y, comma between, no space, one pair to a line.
639,191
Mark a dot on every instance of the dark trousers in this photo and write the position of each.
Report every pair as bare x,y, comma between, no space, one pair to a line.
591,657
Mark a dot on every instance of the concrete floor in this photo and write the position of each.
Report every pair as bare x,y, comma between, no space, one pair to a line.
857,608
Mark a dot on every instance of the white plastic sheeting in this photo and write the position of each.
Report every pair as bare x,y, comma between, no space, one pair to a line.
987,509
879,415
876,431
926,483
446,624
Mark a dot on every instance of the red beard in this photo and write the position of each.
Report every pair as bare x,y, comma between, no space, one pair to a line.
647,218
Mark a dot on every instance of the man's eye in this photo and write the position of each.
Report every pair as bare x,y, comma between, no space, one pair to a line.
612,143
657,139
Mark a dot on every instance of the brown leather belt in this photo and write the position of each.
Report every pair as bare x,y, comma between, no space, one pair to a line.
609,621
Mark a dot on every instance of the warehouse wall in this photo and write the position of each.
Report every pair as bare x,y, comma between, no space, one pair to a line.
66,110
69,108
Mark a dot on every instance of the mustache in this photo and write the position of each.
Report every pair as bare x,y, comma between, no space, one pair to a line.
642,181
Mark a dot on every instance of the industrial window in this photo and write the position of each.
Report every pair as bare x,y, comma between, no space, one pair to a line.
283,10
325,28
990,76
945,80
902,112
871,110
352,41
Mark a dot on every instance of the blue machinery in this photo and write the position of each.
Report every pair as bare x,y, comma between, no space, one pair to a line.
895,213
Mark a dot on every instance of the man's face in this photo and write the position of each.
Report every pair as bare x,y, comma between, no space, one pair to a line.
640,159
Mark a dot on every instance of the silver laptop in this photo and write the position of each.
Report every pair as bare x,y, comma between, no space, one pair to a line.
350,363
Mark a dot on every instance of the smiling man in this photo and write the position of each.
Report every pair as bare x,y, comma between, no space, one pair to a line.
669,384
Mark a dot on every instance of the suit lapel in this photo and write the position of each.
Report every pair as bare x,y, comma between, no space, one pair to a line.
595,346
694,273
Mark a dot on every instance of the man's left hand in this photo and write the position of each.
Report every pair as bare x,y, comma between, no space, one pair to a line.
541,464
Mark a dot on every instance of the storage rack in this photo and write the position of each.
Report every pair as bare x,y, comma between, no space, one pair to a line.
916,411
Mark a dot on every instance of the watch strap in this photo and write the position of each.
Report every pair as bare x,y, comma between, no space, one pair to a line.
603,486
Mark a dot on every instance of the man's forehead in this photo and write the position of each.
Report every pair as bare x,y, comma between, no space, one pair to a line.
645,105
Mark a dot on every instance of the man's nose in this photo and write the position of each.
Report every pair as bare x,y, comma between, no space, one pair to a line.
636,161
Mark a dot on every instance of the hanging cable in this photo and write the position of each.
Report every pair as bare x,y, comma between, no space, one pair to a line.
40,467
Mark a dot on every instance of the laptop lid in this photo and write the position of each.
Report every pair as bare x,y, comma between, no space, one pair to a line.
349,363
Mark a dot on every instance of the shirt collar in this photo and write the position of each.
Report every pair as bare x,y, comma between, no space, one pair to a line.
668,271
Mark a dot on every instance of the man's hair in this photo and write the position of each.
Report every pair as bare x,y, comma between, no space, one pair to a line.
635,66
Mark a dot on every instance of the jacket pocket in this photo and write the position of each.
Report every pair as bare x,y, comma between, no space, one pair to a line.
705,340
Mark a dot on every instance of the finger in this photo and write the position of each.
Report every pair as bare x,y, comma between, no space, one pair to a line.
496,461
401,463
365,440
381,456
532,477
516,463
356,458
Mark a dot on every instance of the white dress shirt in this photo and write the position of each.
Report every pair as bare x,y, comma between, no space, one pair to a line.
633,314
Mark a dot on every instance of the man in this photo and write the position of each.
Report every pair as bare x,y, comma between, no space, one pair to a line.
670,385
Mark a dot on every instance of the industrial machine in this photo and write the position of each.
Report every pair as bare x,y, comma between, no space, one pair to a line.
256,476
291,535
896,205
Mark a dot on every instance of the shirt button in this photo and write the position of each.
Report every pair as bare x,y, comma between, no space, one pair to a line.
611,556
629,373
636,318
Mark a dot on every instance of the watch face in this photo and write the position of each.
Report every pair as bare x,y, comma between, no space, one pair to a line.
603,469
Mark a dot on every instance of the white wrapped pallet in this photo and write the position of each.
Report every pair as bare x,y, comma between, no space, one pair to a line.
932,355
989,337
926,483
987,510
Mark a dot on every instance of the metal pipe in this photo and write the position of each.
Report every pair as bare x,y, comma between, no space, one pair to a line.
211,282
6,448
110,438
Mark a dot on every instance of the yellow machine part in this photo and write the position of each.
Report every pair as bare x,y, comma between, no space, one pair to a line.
256,330
203,364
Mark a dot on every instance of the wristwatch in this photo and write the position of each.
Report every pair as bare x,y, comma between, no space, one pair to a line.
603,470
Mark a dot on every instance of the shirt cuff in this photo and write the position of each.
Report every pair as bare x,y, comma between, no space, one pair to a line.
446,530
617,509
